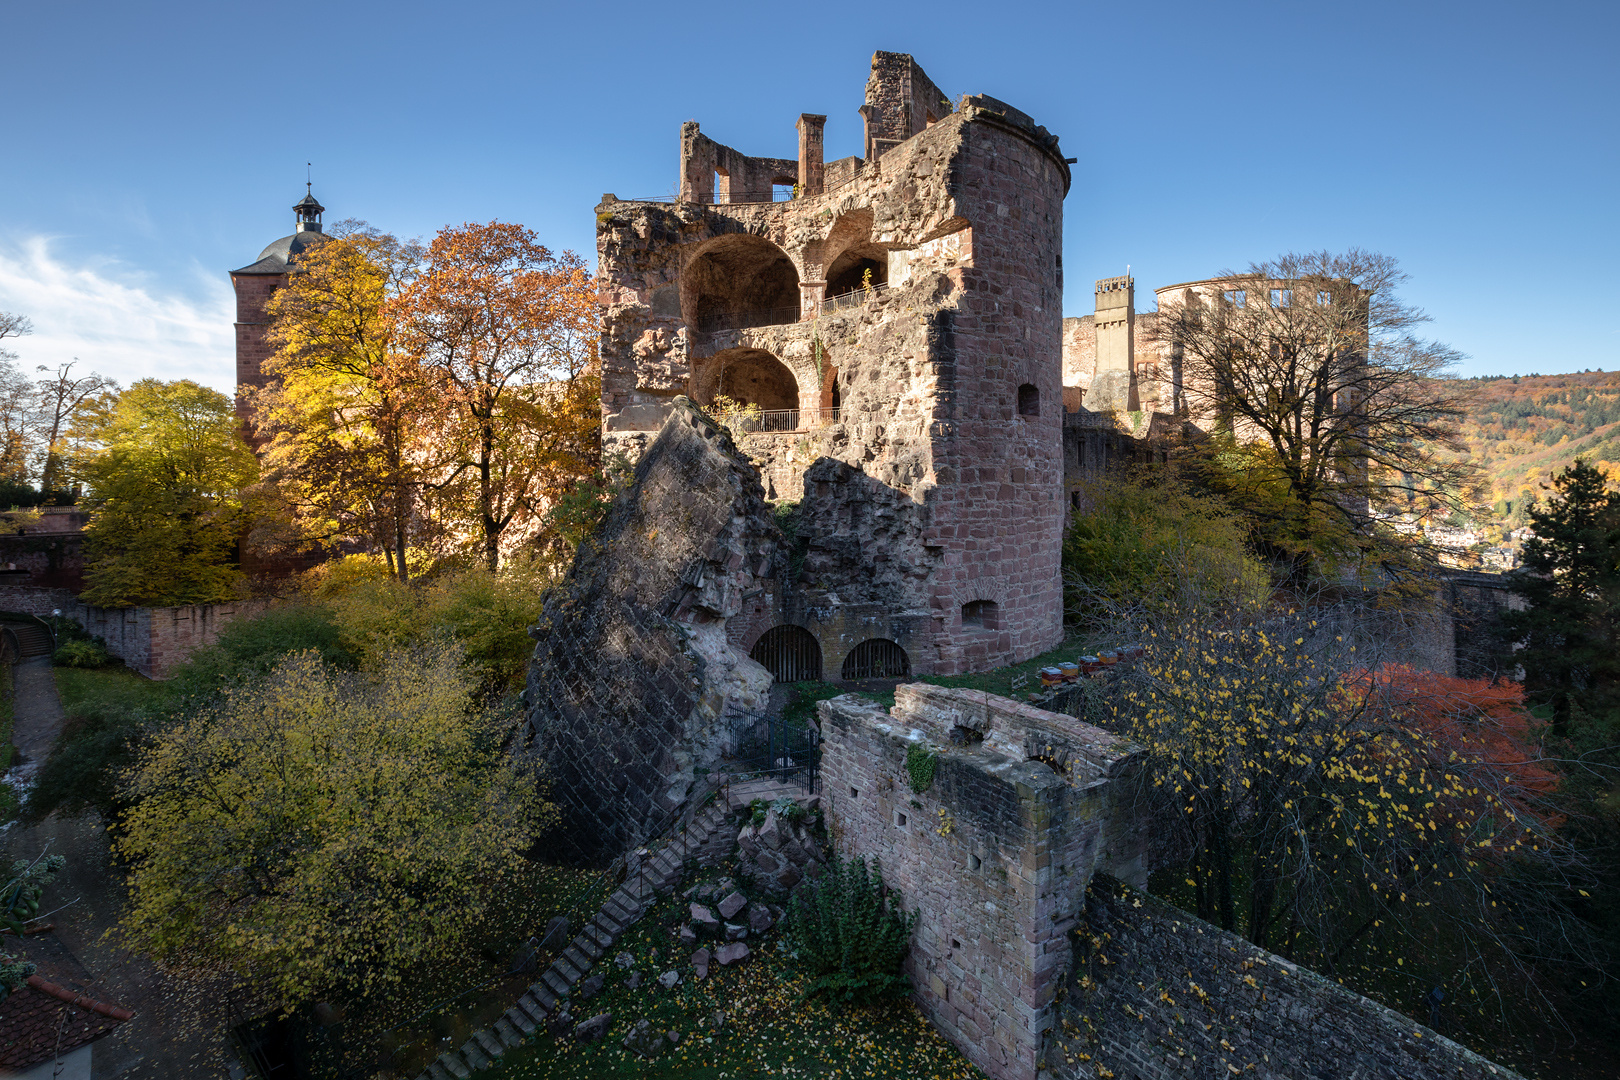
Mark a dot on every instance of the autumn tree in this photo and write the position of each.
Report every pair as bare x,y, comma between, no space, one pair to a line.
1363,819
16,415
502,329
342,416
164,479
317,829
1325,406
58,396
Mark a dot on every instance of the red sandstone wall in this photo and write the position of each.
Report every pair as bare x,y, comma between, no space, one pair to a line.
252,293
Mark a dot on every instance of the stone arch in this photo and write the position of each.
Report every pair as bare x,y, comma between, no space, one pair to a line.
876,658
847,274
739,280
789,652
981,615
751,376
993,589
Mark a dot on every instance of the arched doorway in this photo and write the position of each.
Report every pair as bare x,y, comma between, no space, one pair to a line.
876,658
857,268
755,377
738,282
790,653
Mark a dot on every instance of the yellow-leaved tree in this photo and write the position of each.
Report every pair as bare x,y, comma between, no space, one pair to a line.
317,828
345,404
164,470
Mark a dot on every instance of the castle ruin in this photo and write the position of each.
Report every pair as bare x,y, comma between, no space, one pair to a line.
895,329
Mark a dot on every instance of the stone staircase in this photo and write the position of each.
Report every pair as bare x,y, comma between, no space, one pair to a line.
627,904
32,638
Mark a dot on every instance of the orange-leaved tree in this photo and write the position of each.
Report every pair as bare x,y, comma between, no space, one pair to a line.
504,331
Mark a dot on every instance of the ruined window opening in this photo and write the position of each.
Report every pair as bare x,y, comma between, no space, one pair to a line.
899,819
1323,298
1236,297
1281,298
981,614
837,399
876,658
1074,500
790,653
782,192
722,186
1029,400
854,794
974,863
740,281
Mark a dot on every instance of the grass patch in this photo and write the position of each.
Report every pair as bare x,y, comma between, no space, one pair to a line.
767,1030
113,687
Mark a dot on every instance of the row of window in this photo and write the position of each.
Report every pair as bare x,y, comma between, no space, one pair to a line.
1279,298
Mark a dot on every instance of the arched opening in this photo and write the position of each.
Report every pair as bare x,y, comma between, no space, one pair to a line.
741,281
790,653
876,658
1029,400
755,377
981,615
852,272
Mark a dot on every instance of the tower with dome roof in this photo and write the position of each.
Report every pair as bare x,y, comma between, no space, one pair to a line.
256,282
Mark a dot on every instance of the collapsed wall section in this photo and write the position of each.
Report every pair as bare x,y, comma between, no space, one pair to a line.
994,851
1158,994
635,689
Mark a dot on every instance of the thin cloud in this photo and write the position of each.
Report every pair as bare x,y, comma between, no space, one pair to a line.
102,313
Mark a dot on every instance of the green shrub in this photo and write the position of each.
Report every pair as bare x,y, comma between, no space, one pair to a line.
1143,539
920,762
80,654
843,929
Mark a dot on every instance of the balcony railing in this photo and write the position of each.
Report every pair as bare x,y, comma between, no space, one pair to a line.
782,420
852,299
743,320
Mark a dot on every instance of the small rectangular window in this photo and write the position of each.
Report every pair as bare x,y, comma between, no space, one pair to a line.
974,862
1237,297
1323,297
1281,298
854,794
900,819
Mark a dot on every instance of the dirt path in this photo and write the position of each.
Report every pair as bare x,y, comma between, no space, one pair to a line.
175,1032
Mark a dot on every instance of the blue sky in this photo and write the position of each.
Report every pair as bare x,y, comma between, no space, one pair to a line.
150,147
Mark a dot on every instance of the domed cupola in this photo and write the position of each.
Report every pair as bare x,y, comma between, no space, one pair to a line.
282,256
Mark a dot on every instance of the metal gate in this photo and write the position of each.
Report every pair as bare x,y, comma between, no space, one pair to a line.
790,653
876,658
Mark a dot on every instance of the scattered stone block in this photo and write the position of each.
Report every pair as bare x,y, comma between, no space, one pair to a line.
624,960
589,988
736,931
733,904
700,963
633,981
688,935
643,1040
669,979
730,953
759,918
703,920
556,936
594,1028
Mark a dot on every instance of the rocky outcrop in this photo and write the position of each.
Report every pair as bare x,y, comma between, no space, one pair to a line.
635,688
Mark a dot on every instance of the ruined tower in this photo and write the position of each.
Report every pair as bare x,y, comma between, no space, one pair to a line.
891,326
255,283
1113,388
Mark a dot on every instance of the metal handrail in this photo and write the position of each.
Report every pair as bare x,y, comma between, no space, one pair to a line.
854,298
745,320
782,420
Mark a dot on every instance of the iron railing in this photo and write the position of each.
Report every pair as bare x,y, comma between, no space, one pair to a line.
747,320
854,298
778,421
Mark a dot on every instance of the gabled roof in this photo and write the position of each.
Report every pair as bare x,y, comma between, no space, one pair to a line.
42,1017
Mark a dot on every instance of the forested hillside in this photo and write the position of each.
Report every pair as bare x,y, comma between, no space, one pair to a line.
1524,427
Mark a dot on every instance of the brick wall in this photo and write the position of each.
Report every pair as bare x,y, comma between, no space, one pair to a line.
152,641
995,853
